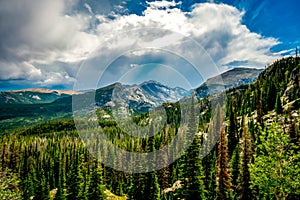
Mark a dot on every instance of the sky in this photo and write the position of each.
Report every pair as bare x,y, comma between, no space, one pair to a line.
84,44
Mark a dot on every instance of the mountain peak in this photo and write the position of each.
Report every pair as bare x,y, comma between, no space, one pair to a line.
149,82
229,79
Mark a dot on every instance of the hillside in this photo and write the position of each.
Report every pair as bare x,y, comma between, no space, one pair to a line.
230,79
57,105
259,137
34,96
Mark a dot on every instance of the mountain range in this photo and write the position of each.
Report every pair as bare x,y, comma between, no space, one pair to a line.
47,104
151,91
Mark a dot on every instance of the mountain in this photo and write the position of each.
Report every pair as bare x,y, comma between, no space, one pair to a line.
160,93
51,104
46,104
139,98
41,104
48,91
34,96
229,79
142,97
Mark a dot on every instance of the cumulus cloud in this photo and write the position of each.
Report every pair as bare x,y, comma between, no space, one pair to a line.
35,35
217,27
56,78
20,70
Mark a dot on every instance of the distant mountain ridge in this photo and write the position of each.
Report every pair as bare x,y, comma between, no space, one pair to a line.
45,90
145,95
229,79
34,96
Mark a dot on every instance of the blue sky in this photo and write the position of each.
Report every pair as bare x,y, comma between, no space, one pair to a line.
85,44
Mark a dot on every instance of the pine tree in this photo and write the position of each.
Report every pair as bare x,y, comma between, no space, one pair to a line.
235,159
151,187
270,98
193,185
75,180
232,130
164,174
136,190
223,174
188,168
26,176
246,158
278,106
210,149
95,186
259,109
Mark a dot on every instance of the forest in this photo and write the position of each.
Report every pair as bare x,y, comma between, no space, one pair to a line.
257,155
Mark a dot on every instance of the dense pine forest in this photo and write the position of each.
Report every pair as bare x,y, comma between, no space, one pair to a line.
257,155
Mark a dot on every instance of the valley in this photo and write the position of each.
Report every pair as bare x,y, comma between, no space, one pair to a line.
256,151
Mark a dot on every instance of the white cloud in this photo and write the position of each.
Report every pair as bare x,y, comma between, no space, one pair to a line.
56,78
217,27
40,33
287,52
88,7
22,70
162,4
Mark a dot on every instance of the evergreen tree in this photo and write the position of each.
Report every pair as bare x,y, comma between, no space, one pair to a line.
278,105
223,174
136,190
232,130
275,172
246,158
259,109
269,98
193,185
96,187
235,170
151,187
75,180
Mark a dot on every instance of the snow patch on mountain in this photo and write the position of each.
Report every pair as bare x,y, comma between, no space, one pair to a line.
36,97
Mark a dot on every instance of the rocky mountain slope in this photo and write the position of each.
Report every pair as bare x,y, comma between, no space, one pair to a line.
232,78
